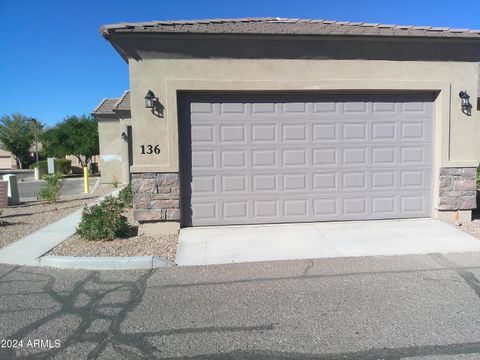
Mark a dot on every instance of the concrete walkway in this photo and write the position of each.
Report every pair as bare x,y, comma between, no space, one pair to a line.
233,244
30,248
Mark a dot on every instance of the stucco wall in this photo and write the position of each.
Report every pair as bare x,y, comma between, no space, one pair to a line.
455,133
113,150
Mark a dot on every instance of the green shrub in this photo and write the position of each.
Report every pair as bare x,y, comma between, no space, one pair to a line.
126,196
62,166
104,221
51,190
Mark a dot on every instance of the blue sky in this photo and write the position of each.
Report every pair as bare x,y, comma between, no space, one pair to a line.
54,63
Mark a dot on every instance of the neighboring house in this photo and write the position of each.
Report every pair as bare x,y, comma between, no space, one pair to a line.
7,161
286,120
115,134
77,165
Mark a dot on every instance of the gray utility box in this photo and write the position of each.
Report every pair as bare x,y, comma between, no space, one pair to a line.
13,198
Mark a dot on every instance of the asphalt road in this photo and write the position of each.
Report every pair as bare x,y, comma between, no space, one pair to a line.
408,307
71,186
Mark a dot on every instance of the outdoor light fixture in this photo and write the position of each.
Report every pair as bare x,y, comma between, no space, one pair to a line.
149,99
466,106
124,136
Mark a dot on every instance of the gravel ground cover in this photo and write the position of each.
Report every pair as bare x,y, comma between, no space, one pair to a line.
134,245
30,216
473,227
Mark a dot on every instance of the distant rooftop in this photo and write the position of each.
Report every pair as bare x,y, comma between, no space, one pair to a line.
110,106
287,26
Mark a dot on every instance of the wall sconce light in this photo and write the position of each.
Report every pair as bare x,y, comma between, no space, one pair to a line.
124,136
152,102
466,106
149,99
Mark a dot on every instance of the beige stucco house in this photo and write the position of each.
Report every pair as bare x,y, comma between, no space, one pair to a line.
285,120
115,138
7,161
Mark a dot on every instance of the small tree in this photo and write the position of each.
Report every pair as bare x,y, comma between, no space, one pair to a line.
17,133
51,191
75,135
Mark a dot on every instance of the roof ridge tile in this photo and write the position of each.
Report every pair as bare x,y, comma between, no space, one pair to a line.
293,26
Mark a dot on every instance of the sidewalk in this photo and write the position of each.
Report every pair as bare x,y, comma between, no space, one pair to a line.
27,250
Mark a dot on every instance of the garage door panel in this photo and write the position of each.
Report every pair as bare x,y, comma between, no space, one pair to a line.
412,203
325,207
265,209
232,133
355,156
233,158
386,107
234,183
266,183
203,134
325,181
357,206
385,131
233,108
267,108
325,108
384,155
324,132
325,157
294,133
354,181
281,158
383,179
264,158
264,133
382,205
354,131
295,208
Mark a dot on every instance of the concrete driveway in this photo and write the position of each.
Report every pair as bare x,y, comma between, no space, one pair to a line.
235,244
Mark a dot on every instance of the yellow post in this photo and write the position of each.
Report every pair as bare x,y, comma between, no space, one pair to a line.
85,179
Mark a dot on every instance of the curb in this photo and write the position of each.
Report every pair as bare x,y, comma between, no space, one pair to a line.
104,262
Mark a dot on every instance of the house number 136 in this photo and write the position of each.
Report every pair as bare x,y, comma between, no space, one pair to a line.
150,149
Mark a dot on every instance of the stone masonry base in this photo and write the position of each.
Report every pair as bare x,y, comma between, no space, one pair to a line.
156,197
458,189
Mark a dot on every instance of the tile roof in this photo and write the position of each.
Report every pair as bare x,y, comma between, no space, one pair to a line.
287,26
110,106
123,102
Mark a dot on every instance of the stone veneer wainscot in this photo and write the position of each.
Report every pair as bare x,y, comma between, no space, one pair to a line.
156,197
458,188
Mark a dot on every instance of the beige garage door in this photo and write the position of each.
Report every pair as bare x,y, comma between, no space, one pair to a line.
249,159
